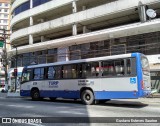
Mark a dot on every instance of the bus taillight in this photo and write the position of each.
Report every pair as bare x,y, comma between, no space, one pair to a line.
142,84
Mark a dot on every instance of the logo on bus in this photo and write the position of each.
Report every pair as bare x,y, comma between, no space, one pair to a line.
133,80
85,82
53,84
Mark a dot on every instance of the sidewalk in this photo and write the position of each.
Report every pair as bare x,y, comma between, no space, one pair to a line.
156,95
13,94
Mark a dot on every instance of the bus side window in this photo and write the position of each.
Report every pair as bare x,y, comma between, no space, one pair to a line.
74,71
86,70
79,70
50,73
128,64
67,71
38,74
58,72
108,68
119,67
131,66
95,69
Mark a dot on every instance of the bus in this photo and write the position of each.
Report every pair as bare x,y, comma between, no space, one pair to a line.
125,76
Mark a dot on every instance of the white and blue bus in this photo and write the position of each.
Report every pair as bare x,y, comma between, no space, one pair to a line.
123,76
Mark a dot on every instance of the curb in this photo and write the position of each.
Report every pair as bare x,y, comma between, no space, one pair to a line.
157,95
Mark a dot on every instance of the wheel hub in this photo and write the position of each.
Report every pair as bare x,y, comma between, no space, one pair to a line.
87,97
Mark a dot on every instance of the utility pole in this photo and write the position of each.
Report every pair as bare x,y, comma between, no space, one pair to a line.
6,62
15,70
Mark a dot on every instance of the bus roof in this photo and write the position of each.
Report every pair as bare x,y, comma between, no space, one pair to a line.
85,60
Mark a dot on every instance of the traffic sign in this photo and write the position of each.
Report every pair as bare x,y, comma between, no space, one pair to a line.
1,43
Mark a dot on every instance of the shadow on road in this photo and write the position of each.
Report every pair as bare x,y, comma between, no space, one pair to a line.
128,104
113,103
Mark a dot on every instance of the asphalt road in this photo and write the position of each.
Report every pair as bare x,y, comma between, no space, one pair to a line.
25,107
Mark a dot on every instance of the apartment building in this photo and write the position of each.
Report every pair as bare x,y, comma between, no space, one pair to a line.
45,31
4,24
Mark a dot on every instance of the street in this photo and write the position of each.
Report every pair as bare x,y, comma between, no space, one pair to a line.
25,107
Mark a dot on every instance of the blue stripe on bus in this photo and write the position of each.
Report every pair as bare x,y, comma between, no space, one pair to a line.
114,94
97,94
61,94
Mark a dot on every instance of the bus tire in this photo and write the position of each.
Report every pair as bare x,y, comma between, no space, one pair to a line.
35,95
87,97
52,98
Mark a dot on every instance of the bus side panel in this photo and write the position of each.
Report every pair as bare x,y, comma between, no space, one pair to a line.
119,87
67,88
25,89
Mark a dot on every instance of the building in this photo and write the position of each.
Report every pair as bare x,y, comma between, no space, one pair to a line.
47,31
4,24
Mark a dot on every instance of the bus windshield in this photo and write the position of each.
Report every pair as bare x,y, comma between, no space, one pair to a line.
26,75
145,65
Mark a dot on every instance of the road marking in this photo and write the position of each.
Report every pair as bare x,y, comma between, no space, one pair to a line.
21,106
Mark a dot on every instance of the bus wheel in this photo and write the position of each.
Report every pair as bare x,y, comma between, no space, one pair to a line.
35,95
52,98
87,97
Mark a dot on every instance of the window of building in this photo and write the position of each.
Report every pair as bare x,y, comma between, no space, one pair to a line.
5,15
38,74
19,60
5,10
52,55
26,59
6,4
23,7
42,57
5,27
39,2
5,21
33,58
